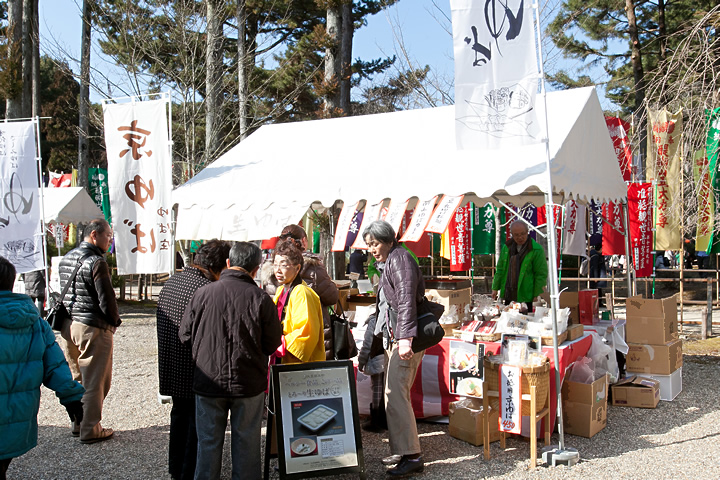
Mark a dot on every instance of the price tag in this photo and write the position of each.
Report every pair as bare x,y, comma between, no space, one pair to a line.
510,419
467,336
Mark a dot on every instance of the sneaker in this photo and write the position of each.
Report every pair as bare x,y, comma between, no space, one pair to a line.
105,434
392,460
407,466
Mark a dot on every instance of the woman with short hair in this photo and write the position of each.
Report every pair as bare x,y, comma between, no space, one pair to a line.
400,290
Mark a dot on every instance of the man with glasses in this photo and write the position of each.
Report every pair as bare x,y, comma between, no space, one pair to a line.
521,273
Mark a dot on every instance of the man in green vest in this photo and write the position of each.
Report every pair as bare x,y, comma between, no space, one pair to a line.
521,273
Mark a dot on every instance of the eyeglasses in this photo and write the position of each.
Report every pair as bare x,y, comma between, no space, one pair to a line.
282,266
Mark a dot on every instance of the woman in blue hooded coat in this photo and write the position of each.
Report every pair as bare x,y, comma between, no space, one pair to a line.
29,357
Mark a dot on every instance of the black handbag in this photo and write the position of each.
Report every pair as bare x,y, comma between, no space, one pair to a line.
58,314
344,347
429,330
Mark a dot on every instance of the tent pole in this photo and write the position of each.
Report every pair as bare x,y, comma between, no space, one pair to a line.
628,258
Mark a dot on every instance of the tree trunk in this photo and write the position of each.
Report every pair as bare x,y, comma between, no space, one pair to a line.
639,78
662,30
213,78
84,101
346,57
332,61
243,71
36,61
27,44
13,106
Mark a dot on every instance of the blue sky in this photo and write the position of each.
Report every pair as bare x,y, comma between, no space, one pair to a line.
421,27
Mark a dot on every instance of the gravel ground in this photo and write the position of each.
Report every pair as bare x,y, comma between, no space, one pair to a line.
678,439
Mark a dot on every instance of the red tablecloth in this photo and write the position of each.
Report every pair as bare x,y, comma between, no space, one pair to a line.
430,393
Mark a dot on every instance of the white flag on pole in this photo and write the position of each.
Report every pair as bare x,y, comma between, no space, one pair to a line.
139,184
575,238
496,73
20,229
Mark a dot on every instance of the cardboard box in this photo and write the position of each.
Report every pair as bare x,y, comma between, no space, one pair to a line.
657,359
636,392
567,300
343,295
575,331
588,304
466,421
448,298
585,407
651,322
670,385
355,300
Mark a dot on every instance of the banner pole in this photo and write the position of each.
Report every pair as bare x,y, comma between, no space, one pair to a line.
36,122
628,256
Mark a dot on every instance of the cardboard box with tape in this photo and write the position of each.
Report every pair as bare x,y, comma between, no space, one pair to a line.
636,392
651,321
567,300
585,407
466,421
657,359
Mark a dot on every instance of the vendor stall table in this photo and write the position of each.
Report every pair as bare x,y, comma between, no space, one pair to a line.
431,396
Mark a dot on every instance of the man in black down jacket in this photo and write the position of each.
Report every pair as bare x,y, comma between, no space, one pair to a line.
89,337
234,327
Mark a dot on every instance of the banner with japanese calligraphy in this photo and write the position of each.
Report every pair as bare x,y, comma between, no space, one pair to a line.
371,213
395,214
510,383
596,218
712,148
420,218
443,212
139,184
99,191
641,235
459,230
483,237
705,199
496,74
663,166
20,226
613,240
575,239
347,215
618,129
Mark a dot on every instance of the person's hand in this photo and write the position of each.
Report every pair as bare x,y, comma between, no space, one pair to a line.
75,411
361,367
405,352
495,294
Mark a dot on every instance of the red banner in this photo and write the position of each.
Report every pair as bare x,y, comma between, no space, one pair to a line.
618,129
459,229
640,197
613,241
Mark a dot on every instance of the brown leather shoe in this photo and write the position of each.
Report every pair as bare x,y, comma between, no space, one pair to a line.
75,429
105,434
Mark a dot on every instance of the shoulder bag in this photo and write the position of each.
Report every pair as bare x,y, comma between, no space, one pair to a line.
429,330
58,314
344,347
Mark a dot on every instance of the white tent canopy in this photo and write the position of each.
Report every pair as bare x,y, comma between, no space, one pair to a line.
272,177
69,205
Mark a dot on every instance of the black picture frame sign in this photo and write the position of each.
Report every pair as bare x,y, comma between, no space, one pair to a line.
316,416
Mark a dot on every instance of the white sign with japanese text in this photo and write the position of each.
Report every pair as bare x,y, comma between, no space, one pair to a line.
372,213
575,239
343,226
496,73
396,213
510,419
20,227
421,217
139,184
443,213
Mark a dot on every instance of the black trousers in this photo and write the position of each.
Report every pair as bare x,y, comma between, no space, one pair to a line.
183,439
4,464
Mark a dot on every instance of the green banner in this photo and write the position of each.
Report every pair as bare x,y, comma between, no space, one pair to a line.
712,120
98,179
483,240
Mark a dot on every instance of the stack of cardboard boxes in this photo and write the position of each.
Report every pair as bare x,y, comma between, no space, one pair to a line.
654,349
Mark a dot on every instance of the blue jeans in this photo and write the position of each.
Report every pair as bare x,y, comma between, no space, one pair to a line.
245,422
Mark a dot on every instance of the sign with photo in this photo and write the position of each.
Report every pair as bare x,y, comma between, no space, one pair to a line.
316,416
466,368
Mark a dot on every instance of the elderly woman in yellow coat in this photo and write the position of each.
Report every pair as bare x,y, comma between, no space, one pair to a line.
299,307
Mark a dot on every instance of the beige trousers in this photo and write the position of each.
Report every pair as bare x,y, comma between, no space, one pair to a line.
89,352
399,378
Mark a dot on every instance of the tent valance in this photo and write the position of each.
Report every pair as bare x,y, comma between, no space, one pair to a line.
272,177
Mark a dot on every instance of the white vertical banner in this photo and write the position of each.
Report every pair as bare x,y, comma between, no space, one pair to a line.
139,184
395,214
510,399
372,213
421,217
443,213
496,73
343,226
20,227
575,228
